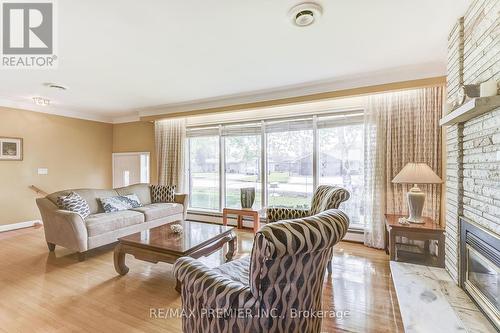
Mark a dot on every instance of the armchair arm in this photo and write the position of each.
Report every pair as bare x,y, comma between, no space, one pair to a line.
70,231
338,196
207,289
182,198
63,227
278,214
328,197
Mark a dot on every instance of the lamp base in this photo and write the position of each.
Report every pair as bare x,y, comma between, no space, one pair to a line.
416,200
420,221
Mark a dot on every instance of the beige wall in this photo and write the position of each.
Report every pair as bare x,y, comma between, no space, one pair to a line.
76,152
136,137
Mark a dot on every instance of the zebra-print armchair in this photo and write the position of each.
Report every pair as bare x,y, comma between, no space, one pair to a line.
325,197
277,289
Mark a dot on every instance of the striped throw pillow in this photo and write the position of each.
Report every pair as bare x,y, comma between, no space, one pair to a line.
74,203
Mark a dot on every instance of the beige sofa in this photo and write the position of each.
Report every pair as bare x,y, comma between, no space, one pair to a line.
69,230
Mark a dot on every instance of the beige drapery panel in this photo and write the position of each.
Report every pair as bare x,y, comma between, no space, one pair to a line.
170,140
400,127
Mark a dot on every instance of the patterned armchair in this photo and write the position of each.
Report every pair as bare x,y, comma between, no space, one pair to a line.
270,290
325,197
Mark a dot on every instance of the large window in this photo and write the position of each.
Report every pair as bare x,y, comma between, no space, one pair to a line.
340,162
289,164
282,159
242,167
204,172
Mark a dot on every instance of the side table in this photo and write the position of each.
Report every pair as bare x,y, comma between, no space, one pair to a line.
423,232
240,212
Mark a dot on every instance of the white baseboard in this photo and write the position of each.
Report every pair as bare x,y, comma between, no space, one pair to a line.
20,225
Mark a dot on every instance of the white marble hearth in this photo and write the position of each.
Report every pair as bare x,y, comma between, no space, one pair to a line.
430,301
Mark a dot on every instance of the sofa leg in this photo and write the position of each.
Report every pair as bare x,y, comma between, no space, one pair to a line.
51,246
329,267
81,256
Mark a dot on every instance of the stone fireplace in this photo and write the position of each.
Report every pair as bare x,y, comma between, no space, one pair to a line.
480,267
473,146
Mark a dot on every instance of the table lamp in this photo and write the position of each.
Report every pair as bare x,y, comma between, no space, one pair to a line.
416,173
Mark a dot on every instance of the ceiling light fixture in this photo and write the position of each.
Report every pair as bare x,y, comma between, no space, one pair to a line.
305,14
41,101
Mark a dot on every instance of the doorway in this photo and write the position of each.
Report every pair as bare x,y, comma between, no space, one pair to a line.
130,168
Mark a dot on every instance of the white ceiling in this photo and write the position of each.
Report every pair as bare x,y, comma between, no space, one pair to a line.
122,59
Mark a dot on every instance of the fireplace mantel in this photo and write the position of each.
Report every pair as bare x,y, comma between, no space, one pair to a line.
471,109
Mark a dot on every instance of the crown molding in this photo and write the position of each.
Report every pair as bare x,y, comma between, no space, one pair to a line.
133,117
54,110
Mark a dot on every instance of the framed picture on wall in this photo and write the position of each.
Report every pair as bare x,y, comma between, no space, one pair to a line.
11,149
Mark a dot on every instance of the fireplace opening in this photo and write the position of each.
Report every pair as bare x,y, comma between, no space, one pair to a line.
480,268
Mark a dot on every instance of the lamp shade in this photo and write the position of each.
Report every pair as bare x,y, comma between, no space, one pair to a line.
417,173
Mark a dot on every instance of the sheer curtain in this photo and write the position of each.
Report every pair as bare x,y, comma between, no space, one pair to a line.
400,127
170,140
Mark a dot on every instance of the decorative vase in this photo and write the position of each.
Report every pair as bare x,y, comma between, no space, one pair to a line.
247,197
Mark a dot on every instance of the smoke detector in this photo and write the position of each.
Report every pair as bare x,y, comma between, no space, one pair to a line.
305,14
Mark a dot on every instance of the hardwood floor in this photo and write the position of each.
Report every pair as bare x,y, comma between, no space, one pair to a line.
53,292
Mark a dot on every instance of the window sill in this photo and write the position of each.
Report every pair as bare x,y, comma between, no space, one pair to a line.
207,212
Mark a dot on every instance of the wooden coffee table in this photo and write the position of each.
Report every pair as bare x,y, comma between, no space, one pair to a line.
161,244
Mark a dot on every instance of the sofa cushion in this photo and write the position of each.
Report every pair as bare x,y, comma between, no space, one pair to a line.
162,193
141,190
74,203
236,270
98,224
159,210
120,202
89,195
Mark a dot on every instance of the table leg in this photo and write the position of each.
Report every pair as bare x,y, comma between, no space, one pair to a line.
386,241
224,218
256,223
427,250
231,248
441,245
240,221
119,260
392,244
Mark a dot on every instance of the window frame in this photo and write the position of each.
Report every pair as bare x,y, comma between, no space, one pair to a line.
259,156
354,226
308,125
218,130
188,176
